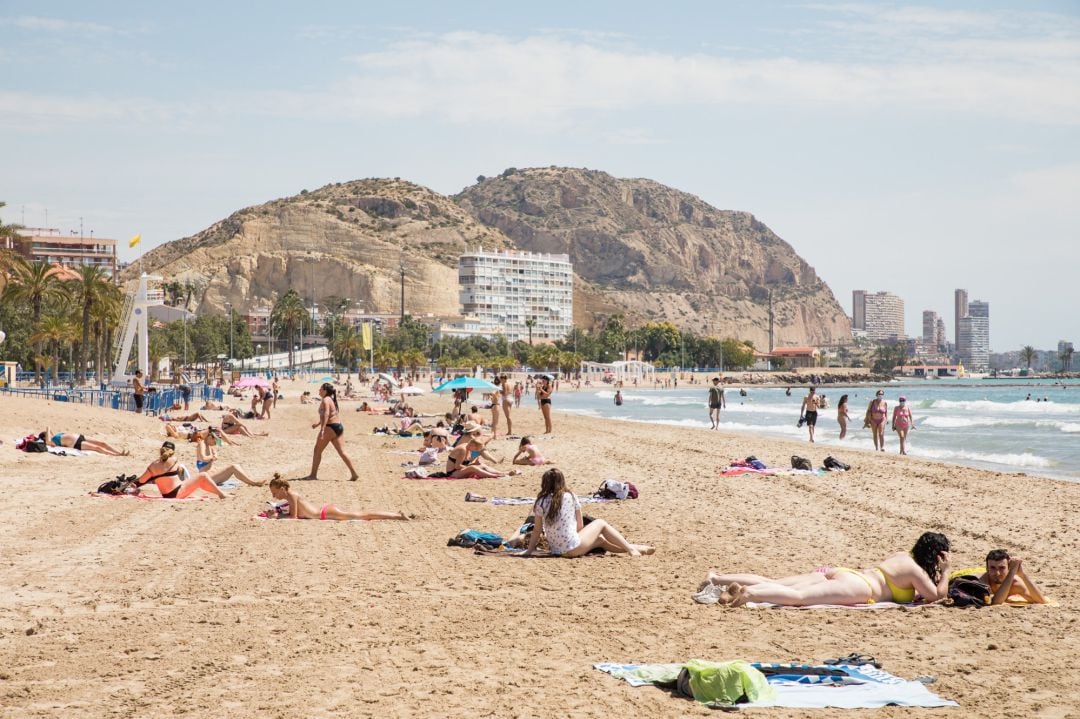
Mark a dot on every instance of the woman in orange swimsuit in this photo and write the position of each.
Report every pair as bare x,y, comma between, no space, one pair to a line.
899,578
165,473
296,507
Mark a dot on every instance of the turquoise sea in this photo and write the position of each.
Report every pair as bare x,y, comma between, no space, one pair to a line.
981,423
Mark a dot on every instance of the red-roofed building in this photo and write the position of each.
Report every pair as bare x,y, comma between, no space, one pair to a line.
795,357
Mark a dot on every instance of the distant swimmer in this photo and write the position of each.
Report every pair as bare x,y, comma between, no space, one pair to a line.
618,398
1028,398
742,392
788,391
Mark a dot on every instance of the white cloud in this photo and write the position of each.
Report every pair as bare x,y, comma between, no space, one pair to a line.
57,25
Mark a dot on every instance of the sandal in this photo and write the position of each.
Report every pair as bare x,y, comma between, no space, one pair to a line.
854,659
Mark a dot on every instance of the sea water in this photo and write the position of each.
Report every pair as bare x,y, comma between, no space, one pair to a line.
981,423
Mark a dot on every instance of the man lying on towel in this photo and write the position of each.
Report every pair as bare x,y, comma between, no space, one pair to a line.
1008,582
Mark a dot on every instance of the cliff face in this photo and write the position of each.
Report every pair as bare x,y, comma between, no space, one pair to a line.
346,239
638,248
655,253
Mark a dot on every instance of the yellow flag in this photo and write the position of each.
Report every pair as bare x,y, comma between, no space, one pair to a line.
134,240
365,335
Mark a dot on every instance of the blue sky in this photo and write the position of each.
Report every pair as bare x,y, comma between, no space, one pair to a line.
909,148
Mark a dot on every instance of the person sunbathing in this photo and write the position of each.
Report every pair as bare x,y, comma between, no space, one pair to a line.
296,507
1008,582
557,514
924,572
192,417
206,454
231,424
80,442
528,453
215,406
168,476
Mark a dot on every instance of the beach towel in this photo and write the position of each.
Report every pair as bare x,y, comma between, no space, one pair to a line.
530,500
419,473
874,606
735,471
69,452
147,498
290,519
862,687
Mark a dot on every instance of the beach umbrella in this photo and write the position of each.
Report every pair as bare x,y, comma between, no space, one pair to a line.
466,383
388,378
247,382
411,389
320,381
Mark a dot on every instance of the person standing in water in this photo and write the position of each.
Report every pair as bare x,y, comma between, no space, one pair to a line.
809,409
716,402
902,422
618,398
842,415
876,413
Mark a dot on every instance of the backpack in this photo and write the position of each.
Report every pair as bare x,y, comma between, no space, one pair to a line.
967,591
473,538
835,465
798,462
120,485
614,489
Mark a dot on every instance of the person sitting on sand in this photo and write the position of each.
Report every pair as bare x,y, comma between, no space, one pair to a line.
165,473
296,507
1008,582
206,454
899,578
475,416
231,424
306,398
364,407
558,517
529,453
463,461
80,442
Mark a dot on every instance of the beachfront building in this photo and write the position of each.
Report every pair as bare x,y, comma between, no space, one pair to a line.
529,295
960,311
629,373
50,245
858,309
973,340
794,357
884,316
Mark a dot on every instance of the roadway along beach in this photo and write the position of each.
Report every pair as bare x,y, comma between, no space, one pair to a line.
124,608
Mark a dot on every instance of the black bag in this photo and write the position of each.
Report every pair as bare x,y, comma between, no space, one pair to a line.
968,591
798,462
38,445
120,485
834,464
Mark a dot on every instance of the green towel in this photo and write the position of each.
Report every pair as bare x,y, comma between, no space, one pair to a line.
727,682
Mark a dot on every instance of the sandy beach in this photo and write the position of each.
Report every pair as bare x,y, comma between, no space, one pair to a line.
127,608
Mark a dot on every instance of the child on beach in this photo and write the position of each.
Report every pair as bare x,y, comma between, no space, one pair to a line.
290,505
529,453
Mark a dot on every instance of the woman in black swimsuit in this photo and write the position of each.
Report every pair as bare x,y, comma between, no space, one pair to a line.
330,431
165,473
543,393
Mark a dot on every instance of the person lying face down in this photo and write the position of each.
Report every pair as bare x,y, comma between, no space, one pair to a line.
1008,582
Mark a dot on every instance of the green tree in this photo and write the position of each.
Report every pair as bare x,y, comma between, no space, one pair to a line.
54,332
89,287
33,283
530,322
1028,354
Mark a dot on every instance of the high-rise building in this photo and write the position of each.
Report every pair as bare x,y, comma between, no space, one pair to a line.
973,342
960,310
939,335
884,316
508,289
858,309
929,328
72,250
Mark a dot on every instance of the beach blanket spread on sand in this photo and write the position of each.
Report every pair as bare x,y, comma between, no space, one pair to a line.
859,687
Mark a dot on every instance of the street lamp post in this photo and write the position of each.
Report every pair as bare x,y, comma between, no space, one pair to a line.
229,305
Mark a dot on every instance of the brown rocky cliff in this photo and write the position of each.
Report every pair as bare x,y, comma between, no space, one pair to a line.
655,253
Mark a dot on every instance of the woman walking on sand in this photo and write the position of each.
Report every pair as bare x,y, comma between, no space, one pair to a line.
496,408
543,395
330,431
876,414
507,402
902,421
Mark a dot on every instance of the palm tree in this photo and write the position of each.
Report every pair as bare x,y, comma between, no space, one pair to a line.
288,314
88,286
105,317
1028,355
346,345
530,323
1068,352
34,283
54,331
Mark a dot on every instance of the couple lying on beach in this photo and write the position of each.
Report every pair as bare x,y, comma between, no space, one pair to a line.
923,572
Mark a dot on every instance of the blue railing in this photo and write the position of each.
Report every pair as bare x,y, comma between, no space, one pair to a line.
154,403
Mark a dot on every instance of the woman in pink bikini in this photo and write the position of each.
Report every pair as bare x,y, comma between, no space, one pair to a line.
876,414
296,507
902,422
529,453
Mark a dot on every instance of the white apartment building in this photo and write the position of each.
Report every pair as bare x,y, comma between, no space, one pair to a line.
973,342
884,313
505,289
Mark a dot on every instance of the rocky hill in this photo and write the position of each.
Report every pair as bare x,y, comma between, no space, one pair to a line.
347,239
638,248
653,252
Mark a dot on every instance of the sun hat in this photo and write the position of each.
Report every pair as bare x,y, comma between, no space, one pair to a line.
470,428
440,432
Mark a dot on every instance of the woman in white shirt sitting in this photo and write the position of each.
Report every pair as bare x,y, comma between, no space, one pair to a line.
558,517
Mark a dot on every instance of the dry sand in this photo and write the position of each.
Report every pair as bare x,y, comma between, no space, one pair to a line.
122,608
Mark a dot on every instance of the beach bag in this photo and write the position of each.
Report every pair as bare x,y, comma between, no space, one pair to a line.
798,462
967,591
120,485
835,465
473,538
416,473
614,489
32,443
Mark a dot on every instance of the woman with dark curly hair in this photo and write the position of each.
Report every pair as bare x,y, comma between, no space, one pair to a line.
923,572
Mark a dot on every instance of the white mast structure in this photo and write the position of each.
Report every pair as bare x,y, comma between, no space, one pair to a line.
137,319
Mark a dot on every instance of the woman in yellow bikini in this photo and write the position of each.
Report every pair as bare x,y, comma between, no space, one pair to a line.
900,578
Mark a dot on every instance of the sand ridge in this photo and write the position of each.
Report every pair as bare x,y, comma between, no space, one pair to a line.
129,609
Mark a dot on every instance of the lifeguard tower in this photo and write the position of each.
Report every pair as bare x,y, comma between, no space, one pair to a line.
135,319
